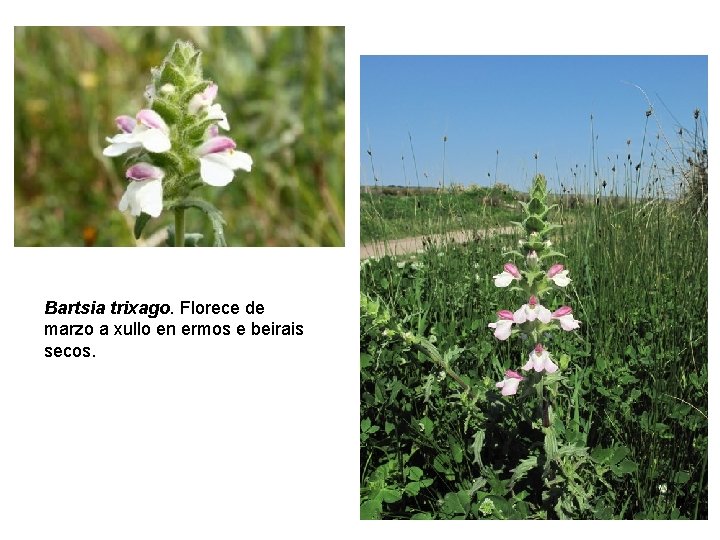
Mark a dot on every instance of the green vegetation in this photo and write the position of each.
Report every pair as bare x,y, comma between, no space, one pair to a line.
392,212
438,441
283,91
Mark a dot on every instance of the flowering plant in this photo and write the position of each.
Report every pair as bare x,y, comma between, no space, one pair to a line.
174,145
532,319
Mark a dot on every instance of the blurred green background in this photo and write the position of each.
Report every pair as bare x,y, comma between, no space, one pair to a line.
283,89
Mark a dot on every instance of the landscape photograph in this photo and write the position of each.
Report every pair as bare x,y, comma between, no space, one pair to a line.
534,287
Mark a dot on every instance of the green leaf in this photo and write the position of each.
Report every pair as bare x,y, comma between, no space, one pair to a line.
477,447
413,488
536,207
365,424
171,74
212,213
524,467
422,515
390,495
625,467
551,254
619,454
140,223
456,503
365,360
196,88
502,505
427,425
533,224
169,111
681,477
414,473
371,509
457,451
194,65
441,464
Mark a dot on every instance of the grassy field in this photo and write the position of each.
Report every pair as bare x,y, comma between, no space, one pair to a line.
437,439
283,91
392,212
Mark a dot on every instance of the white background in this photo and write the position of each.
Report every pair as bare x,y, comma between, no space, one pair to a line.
257,436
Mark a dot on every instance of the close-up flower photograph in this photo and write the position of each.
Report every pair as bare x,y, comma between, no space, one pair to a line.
179,136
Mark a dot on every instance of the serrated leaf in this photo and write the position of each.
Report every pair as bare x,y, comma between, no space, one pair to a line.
552,254
523,468
452,354
171,74
456,503
477,447
536,207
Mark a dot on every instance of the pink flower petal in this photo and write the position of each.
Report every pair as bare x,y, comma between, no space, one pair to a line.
215,145
144,171
125,123
554,269
151,119
210,93
510,374
511,269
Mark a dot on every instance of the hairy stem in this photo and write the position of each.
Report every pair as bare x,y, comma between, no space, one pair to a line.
179,227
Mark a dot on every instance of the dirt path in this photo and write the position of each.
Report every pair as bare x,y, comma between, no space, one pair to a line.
402,246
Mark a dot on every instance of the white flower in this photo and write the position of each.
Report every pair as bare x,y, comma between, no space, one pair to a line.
144,192
219,160
149,131
510,383
506,277
564,316
558,275
540,360
531,311
503,327
203,101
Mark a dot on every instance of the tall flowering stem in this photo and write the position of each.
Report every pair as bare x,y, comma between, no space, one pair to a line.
174,146
538,274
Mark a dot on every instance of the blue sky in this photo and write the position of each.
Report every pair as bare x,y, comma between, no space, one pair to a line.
520,105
